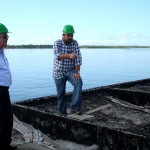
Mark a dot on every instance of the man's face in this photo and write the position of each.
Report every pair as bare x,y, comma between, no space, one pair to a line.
3,40
68,38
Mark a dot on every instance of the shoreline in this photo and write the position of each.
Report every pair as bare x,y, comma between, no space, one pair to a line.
30,46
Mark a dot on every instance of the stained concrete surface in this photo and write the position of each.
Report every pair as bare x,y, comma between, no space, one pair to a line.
115,116
129,125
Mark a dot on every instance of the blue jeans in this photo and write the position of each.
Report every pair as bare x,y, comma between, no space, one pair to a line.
61,91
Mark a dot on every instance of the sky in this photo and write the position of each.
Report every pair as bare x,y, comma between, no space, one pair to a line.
96,22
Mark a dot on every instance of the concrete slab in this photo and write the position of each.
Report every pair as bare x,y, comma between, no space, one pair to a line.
81,117
32,146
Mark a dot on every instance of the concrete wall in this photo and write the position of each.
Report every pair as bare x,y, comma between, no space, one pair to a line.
109,139
57,127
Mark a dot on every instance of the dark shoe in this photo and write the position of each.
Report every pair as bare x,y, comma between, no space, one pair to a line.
72,111
78,112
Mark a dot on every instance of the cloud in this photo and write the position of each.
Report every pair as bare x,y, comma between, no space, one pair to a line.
56,33
117,39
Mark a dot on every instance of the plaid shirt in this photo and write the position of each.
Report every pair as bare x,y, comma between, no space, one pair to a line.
62,67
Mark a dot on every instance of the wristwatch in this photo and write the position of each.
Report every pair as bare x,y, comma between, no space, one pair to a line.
78,72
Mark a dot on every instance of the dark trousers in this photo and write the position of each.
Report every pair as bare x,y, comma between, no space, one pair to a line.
6,117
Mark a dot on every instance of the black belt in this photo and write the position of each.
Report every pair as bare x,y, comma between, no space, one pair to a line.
4,87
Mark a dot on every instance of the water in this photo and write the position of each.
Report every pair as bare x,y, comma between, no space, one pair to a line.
32,69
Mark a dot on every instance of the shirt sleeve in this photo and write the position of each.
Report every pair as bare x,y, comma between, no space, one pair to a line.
78,60
56,49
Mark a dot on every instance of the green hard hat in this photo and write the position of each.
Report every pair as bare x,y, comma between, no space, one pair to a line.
3,29
68,29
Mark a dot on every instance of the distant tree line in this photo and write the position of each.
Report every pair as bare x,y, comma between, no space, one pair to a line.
117,46
30,46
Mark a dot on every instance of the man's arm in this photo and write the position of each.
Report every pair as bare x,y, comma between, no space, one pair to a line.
70,56
58,53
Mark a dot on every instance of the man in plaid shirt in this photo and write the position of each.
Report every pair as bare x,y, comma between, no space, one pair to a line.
67,62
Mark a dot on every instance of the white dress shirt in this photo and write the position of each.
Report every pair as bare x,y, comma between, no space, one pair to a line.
5,74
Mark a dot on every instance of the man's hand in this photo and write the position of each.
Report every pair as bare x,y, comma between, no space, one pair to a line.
76,76
73,56
70,56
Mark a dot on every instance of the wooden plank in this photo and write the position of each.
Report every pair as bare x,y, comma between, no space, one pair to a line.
18,125
98,109
129,105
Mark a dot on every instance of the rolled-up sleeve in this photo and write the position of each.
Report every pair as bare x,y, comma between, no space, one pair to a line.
78,60
56,49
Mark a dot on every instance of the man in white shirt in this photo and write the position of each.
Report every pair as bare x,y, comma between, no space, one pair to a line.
6,114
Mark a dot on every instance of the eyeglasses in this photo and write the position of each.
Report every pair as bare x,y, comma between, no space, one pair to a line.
4,36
